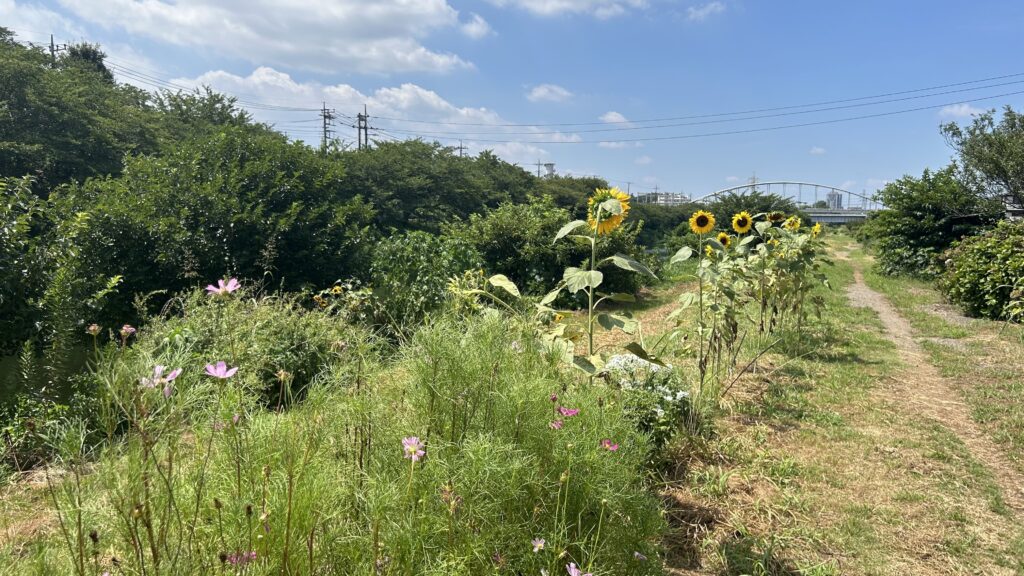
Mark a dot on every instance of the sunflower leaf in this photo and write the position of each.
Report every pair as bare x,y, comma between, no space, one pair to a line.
641,352
611,206
577,279
612,321
584,364
550,296
747,240
568,228
682,255
762,226
627,263
621,297
502,281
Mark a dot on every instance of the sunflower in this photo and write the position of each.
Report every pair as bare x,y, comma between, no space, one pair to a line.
742,222
724,239
702,222
792,223
816,229
775,217
608,222
709,251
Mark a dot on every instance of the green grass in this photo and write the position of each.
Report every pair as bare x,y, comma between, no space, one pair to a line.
837,467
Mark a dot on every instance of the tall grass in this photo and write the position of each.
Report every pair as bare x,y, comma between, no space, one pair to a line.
216,478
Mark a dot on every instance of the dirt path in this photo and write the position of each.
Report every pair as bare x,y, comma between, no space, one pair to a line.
921,390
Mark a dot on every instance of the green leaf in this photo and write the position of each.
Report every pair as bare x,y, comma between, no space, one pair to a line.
687,299
747,240
761,227
627,263
643,354
611,206
577,279
502,281
716,244
612,321
621,297
584,364
682,255
568,228
550,296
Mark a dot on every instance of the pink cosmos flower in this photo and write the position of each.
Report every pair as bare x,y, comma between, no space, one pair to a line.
412,448
556,425
158,377
568,412
241,558
609,445
574,570
222,288
220,370
127,330
538,544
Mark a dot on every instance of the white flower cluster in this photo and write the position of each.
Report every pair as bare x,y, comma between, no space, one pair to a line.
635,373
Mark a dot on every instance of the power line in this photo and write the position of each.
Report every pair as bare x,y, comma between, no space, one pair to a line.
710,115
732,132
725,120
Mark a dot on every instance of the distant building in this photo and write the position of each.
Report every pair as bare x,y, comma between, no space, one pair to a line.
662,198
834,200
1014,209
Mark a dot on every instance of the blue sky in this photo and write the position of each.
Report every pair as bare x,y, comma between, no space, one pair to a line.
599,68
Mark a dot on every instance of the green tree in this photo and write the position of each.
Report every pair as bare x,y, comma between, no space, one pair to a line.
924,216
991,153
68,122
238,202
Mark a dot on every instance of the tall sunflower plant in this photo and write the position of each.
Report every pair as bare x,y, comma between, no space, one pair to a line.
607,209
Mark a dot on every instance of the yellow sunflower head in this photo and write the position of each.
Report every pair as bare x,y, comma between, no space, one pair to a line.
702,222
775,217
724,239
742,222
709,251
816,229
608,222
792,223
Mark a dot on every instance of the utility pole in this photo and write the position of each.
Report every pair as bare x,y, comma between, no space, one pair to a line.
328,121
461,148
363,128
54,48
538,165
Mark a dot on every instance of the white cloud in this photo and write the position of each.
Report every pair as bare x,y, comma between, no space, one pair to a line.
613,117
701,13
402,102
620,145
847,184
385,36
548,93
816,151
476,28
643,160
959,111
598,8
732,179
34,22
873,184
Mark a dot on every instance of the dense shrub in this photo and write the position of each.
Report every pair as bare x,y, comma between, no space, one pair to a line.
517,240
237,202
922,217
409,274
982,272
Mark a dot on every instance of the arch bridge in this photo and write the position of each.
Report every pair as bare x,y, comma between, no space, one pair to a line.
823,203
